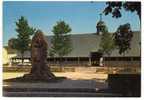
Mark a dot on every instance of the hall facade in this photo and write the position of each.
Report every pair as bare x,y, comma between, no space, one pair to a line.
85,50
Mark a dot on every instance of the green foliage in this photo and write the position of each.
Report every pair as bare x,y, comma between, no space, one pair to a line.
115,8
12,43
107,43
104,29
61,43
123,37
23,40
24,32
51,53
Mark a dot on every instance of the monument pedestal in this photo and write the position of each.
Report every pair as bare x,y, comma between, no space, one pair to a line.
65,88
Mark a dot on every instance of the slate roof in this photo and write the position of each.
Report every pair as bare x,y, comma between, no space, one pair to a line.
83,44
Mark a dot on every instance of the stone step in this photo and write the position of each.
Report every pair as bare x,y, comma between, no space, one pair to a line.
65,84
68,88
10,89
58,94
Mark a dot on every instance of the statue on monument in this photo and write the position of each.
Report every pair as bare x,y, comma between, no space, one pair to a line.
40,69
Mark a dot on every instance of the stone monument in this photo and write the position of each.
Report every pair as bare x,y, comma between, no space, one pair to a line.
40,70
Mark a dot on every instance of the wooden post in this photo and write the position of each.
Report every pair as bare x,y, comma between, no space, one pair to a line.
78,61
89,61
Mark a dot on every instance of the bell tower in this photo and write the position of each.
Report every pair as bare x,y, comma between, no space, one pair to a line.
100,26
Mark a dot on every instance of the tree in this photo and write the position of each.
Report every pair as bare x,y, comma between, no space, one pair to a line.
51,53
107,43
61,43
115,8
23,40
123,37
12,43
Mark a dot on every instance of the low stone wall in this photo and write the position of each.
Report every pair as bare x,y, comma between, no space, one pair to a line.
123,63
98,70
16,69
27,69
58,69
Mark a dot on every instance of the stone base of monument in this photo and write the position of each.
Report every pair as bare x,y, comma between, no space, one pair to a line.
65,88
31,78
126,84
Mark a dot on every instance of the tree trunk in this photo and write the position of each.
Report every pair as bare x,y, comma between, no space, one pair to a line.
60,63
108,65
123,59
22,55
89,61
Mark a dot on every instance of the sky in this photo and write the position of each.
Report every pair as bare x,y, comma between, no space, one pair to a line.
81,16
